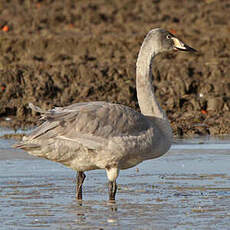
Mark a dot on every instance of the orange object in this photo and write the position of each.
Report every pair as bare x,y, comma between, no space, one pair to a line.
172,31
5,28
204,111
71,26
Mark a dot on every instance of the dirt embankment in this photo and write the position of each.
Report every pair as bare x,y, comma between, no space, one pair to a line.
54,53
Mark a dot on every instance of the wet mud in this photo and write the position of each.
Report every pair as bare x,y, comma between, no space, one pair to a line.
188,188
54,53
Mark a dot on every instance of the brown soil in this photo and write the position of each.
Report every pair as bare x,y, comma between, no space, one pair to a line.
54,53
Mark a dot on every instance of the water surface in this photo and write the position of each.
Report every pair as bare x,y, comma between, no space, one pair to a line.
188,188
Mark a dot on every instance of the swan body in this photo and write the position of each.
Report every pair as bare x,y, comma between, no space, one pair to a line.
101,135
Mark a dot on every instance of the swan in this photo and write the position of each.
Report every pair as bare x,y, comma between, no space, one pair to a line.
101,135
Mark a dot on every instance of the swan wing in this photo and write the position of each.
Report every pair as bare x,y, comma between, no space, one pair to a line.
89,124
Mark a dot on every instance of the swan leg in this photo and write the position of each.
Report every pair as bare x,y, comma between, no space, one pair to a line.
112,190
112,174
80,179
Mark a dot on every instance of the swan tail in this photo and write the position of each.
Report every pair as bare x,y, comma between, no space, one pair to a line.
26,146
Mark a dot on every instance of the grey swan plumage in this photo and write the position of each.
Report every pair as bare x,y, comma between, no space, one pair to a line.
101,135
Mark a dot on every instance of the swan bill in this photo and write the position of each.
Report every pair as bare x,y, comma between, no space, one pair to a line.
179,45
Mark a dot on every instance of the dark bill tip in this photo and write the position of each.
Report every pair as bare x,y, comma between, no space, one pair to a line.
186,48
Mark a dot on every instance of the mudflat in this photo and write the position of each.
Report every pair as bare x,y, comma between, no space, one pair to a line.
54,53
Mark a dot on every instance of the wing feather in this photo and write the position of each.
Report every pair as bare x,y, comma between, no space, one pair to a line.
89,124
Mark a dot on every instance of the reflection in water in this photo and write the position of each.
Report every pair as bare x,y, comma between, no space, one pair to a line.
184,189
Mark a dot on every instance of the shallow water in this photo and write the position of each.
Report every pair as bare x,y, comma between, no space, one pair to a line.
188,188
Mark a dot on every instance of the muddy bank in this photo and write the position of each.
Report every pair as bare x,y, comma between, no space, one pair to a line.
54,53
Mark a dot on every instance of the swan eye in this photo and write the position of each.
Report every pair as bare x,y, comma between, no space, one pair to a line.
168,36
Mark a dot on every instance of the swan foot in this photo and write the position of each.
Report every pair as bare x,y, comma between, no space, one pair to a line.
80,179
112,191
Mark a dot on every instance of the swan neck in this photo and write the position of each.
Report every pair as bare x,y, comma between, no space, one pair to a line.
145,91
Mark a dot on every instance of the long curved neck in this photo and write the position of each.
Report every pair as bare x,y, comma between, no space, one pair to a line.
145,91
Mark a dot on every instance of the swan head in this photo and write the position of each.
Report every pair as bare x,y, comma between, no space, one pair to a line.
162,40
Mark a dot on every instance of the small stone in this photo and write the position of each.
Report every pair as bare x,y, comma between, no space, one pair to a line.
215,104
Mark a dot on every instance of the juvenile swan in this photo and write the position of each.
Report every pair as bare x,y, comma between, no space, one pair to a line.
101,135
